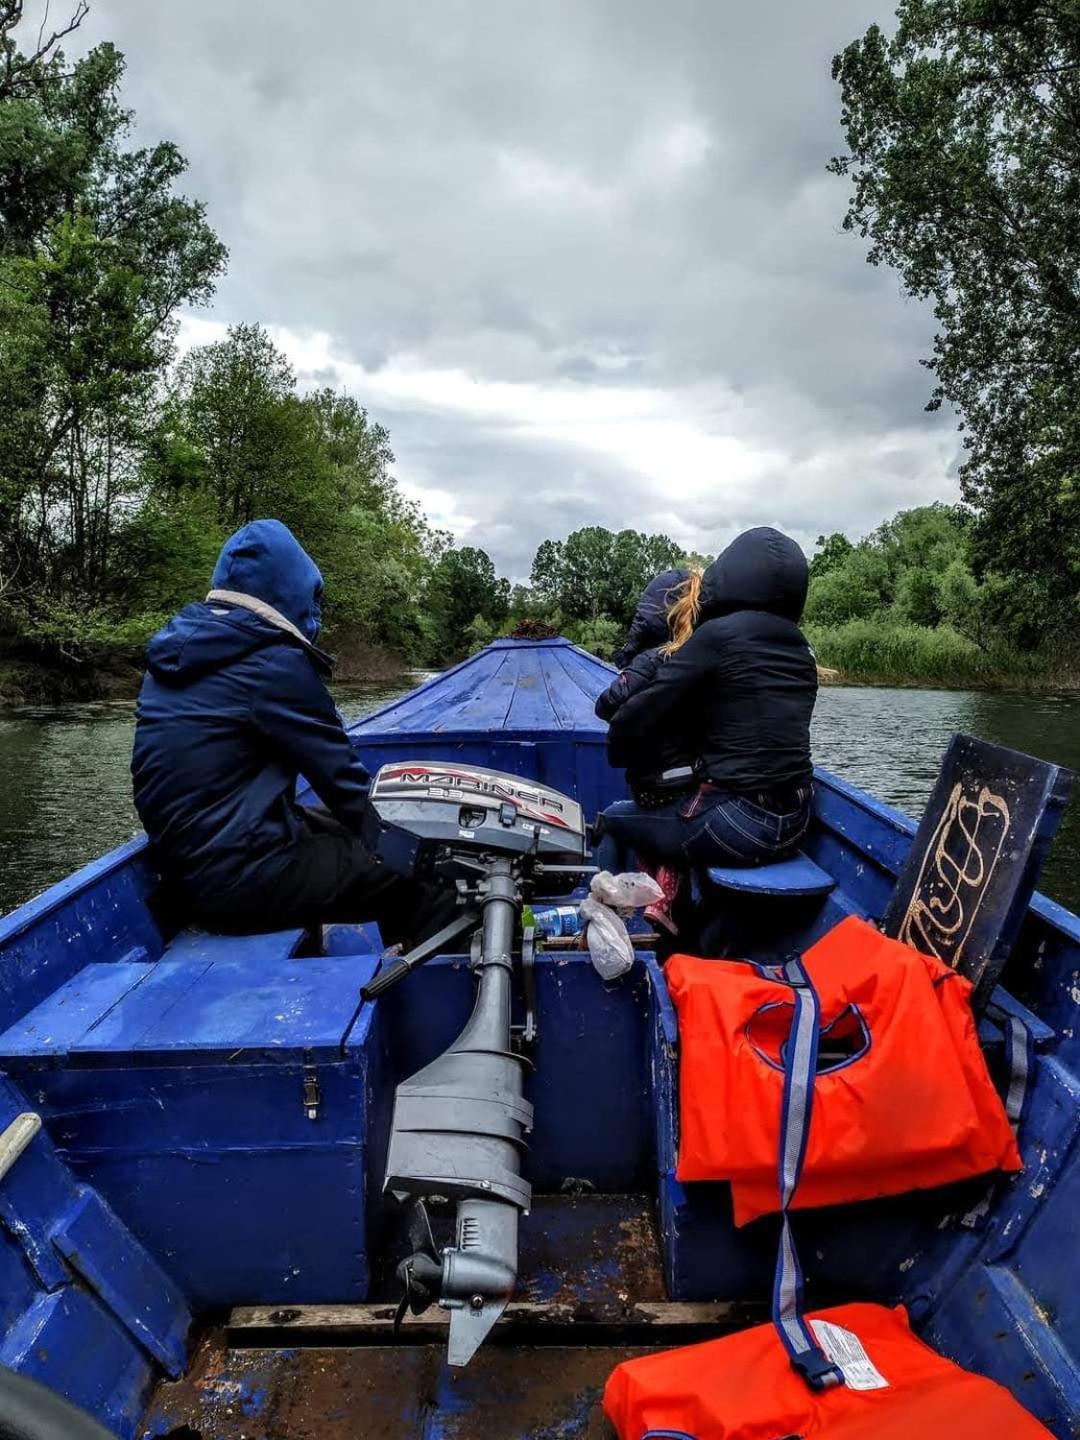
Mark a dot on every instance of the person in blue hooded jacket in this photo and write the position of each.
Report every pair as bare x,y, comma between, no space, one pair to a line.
233,708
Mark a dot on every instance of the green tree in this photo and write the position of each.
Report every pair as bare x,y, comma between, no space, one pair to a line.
830,552
857,587
463,588
963,132
96,254
234,406
596,572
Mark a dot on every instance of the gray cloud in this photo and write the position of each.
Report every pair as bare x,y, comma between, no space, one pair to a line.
612,197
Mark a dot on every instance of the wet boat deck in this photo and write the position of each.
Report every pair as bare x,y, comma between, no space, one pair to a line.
591,1295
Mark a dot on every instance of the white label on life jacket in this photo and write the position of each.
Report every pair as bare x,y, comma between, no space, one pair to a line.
845,1350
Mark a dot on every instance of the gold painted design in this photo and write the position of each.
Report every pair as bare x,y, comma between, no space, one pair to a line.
956,871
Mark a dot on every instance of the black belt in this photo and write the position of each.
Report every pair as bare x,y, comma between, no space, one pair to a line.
779,801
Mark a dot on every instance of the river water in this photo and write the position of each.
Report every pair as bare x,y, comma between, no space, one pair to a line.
66,793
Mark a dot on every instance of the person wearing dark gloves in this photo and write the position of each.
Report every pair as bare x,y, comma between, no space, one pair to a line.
741,688
233,709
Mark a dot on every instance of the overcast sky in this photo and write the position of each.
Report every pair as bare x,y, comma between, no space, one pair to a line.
580,256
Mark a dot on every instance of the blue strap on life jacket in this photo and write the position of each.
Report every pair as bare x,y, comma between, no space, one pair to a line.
1020,1066
800,1072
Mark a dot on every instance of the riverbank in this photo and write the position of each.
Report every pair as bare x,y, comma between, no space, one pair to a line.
54,672
866,652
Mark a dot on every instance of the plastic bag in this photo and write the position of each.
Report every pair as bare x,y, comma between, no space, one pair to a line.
610,949
606,936
629,891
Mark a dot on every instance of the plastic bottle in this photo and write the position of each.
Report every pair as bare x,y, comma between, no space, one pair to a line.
553,921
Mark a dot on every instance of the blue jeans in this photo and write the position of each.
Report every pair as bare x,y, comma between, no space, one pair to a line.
708,829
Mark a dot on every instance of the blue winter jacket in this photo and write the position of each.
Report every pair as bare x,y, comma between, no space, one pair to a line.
232,709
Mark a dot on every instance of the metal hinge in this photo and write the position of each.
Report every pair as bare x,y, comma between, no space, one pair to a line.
312,1092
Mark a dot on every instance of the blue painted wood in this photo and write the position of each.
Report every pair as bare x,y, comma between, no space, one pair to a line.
797,876
200,945
589,1086
244,1007
137,1291
59,1022
215,1166
990,1323
99,913
69,1341
201,1008
363,939
53,1230
525,707
185,1106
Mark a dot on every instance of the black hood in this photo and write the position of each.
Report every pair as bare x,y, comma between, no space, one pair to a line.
649,627
760,570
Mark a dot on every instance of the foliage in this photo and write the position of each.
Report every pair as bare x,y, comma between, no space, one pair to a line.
963,132
596,572
831,551
882,651
96,254
463,590
601,636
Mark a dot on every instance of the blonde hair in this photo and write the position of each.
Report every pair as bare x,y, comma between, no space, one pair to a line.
682,615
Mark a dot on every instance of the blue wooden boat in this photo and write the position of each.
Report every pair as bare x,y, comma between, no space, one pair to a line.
193,1236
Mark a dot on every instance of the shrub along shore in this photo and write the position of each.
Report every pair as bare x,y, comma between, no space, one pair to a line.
872,652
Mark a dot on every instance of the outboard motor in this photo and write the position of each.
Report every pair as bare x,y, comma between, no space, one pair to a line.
460,1124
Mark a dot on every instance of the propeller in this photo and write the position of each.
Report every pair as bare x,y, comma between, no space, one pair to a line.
420,1273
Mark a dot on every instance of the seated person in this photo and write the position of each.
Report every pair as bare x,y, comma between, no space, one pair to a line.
233,708
661,772
741,689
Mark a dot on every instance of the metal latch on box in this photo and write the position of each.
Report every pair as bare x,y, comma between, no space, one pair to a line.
312,1092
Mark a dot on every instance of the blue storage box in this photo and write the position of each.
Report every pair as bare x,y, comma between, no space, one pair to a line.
221,1107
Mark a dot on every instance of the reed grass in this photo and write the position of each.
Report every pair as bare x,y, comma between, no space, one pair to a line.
875,652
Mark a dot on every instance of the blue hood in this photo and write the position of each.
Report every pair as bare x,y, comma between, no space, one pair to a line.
266,560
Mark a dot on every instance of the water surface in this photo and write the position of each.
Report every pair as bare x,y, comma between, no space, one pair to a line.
67,798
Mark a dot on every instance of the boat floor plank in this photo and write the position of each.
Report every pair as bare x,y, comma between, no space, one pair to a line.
395,1392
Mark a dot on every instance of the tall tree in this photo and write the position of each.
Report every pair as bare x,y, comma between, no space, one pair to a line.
97,251
234,401
963,133
464,589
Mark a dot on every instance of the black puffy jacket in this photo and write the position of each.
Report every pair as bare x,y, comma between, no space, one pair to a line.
648,628
742,688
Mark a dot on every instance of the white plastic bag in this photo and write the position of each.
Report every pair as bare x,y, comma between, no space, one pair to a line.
629,891
609,944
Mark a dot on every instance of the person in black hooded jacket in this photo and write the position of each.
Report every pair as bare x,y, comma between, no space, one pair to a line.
741,689
638,661
662,770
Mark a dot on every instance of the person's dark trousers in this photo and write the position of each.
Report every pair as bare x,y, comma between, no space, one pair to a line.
330,875
711,828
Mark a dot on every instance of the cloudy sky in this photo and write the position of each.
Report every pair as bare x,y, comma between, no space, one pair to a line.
581,256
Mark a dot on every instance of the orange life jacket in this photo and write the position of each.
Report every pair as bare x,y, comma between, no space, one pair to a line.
742,1387
902,1098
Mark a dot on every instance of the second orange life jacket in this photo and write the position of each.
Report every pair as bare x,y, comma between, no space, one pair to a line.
742,1387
